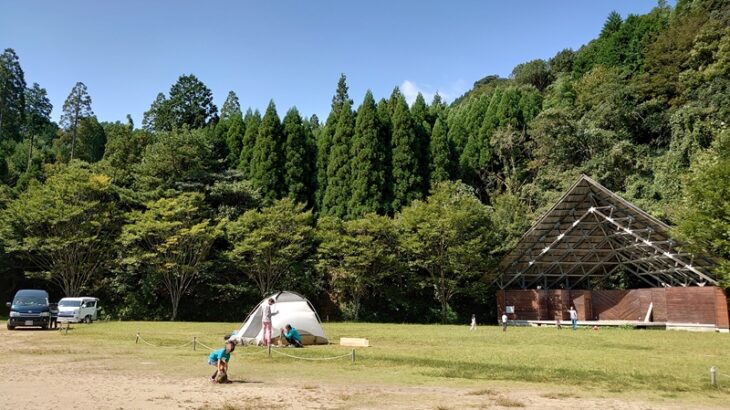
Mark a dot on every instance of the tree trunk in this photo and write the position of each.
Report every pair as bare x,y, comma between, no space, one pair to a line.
444,311
442,296
73,144
30,153
175,303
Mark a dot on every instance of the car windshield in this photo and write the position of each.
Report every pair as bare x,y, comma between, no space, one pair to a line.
30,301
69,303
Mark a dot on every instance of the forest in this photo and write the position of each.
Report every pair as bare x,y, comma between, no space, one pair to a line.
384,210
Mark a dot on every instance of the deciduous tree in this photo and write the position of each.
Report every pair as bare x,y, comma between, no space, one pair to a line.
170,240
448,238
66,227
273,243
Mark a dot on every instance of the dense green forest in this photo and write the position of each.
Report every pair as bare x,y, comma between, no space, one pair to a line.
384,211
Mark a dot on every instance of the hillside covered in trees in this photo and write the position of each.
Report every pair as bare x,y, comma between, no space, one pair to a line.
382,211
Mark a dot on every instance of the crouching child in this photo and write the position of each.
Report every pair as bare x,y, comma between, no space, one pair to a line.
220,358
291,336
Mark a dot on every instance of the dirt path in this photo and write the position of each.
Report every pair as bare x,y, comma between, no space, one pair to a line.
42,380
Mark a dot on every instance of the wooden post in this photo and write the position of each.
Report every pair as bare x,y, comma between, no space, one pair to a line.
353,355
136,340
269,349
195,341
713,376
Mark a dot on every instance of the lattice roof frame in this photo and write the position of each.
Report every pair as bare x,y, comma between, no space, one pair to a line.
590,233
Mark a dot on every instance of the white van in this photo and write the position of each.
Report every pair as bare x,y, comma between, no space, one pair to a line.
76,310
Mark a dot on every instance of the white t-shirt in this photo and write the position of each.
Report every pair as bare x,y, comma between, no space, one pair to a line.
504,318
573,314
266,313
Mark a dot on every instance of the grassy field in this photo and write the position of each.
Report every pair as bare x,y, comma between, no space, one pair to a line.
612,360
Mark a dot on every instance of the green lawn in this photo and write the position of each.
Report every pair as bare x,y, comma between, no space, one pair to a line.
610,360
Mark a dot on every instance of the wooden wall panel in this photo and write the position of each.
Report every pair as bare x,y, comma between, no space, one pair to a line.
701,305
581,299
605,302
722,314
659,298
525,303
691,305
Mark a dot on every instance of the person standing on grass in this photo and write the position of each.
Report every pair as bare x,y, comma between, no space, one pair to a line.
473,323
573,317
266,315
504,321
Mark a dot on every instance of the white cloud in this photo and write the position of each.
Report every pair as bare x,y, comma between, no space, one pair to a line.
410,90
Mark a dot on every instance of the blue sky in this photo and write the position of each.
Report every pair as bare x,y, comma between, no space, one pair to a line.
291,51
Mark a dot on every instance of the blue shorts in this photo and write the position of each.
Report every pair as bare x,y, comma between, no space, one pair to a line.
212,362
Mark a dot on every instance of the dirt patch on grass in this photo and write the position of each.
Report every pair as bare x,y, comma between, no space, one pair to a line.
41,371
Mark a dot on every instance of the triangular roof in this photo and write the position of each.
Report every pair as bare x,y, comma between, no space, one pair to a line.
591,233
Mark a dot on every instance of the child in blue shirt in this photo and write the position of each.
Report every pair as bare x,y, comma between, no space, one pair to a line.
220,358
291,336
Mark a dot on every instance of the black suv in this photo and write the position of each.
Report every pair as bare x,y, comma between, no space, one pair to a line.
30,307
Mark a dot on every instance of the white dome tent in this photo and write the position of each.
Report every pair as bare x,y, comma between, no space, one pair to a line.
293,309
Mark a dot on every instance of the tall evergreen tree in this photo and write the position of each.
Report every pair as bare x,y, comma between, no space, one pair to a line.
251,124
37,109
191,103
458,135
266,163
386,131
337,196
324,139
406,178
477,152
76,107
440,153
612,24
437,109
12,96
422,129
324,144
312,130
395,95
91,140
231,107
234,138
158,117
38,116
220,139
368,161
295,161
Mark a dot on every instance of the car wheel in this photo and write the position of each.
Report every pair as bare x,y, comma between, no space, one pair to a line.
11,327
87,319
44,327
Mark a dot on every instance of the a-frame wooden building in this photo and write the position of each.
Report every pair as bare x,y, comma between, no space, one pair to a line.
592,235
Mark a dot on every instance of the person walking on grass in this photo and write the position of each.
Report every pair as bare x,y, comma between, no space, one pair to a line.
473,323
220,358
504,321
573,317
266,315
